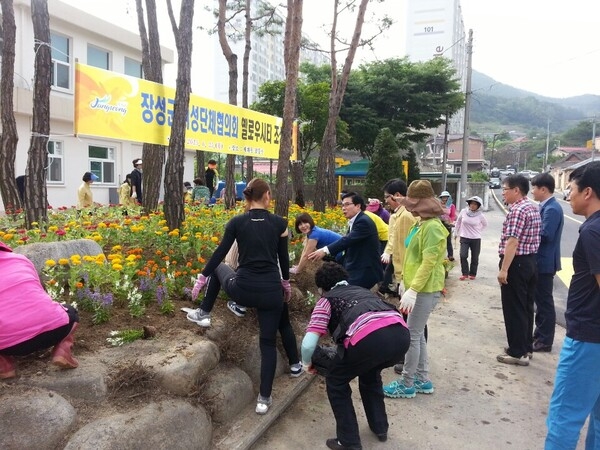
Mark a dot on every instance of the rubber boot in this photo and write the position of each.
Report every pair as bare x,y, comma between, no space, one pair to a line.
61,355
7,367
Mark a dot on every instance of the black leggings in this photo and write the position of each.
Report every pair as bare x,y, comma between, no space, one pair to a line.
268,302
44,340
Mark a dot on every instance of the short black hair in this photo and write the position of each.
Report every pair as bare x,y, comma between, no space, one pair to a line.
517,181
211,161
330,274
87,176
356,199
544,180
198,182
587,176
303,218
396,186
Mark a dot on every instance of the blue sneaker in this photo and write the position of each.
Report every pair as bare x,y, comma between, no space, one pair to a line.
423,387
397,389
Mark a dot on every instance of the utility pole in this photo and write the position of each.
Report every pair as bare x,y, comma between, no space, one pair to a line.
545,168
594,138
445,156
493,147
462,193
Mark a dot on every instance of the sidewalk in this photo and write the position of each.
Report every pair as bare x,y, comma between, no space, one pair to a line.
478,403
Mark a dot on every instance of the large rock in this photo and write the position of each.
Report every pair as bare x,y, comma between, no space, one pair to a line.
37,420
228,390
250,362
40,252
172,424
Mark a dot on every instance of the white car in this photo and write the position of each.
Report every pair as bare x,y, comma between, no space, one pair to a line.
567,193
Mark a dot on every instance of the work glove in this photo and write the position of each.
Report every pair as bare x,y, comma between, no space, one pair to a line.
134,195
385,258
200,283
407,302
294,269
401,289
287,290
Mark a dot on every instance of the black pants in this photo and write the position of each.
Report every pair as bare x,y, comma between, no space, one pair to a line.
44,340
268,301
376,351
474,245
517,304
545,314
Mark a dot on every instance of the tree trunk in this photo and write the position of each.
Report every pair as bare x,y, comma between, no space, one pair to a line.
325,189
173,207
8,151
293,35
200,166
152,154
298,183
233,80
245,75
36,199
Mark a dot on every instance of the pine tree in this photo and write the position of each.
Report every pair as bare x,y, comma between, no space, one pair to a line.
385,165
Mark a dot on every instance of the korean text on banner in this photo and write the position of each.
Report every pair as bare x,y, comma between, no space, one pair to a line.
117,106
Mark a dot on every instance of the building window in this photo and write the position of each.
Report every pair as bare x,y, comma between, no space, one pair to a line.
98,58
102,163
61,61
133,68
54,172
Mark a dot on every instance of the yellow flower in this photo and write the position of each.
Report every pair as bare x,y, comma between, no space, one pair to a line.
63,261
52,228
50,263
183,238
101,225
117,267
8,236
116,248
131,258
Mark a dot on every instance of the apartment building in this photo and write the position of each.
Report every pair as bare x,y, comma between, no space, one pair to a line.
76,36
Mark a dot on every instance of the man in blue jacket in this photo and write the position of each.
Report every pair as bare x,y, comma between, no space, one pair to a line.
361,245
548,261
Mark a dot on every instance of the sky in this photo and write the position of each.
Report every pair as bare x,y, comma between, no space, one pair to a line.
549,47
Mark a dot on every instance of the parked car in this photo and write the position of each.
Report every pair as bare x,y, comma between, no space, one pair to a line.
529,174
494,183
567,193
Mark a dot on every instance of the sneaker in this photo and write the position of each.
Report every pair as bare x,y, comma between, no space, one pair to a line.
238,310
423,387
397,389
507,359
529,354
463,278
202,318
296,370
398,368
263,403
471,277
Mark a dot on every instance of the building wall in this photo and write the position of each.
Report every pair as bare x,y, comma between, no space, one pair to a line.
81,29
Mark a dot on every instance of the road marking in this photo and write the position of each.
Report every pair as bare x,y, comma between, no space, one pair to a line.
567,271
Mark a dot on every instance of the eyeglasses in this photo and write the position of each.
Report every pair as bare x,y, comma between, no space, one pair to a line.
347,204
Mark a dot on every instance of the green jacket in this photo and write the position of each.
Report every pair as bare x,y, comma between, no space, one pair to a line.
423,262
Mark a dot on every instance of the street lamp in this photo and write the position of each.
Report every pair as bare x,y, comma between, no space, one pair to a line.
493,146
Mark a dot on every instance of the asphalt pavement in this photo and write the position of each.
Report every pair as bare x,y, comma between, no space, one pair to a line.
478,402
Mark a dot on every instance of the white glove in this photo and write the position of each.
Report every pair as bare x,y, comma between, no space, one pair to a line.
401,289
407,302
385,258
294,269
134,195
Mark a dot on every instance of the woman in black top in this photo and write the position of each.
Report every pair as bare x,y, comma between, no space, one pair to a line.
262,240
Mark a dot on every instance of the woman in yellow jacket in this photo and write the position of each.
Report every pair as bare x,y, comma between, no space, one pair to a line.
85,198
423,277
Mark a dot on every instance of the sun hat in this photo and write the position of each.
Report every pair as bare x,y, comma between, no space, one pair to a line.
475,198
374,205
420,189
444,194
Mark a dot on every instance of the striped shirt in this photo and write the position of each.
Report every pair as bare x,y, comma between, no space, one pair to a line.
524,223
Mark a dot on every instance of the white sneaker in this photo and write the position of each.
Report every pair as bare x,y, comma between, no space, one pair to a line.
263,403
296,370
202,318
236,309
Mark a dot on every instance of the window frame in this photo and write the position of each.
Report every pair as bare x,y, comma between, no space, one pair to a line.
131,61
100,50
56,63
51,160
101,171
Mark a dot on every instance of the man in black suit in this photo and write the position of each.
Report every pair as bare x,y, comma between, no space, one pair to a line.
361,245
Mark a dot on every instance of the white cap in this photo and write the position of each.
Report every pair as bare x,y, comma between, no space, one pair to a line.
445,194
139,161
475,198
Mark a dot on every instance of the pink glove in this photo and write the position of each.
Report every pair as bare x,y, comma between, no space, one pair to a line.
287,290
200,283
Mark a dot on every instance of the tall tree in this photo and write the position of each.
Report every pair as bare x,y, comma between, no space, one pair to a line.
152,154
8,150
173,206
291,58
325,187
36,199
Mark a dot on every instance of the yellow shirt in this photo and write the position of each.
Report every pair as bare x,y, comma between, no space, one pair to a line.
401,222
125,194
423,263
382,227
85,199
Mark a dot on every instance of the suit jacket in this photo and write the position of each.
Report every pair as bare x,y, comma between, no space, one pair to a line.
548,255
362,252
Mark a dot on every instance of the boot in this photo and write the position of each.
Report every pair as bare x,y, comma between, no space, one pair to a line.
7,367
61,355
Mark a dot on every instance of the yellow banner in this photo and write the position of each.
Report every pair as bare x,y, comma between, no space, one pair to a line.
117,106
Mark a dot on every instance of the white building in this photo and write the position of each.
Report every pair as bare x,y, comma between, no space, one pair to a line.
436,28
76,36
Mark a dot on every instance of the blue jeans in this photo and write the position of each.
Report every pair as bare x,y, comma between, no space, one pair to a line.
416,360
576,396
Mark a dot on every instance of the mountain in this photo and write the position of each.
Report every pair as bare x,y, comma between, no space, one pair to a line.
495,102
